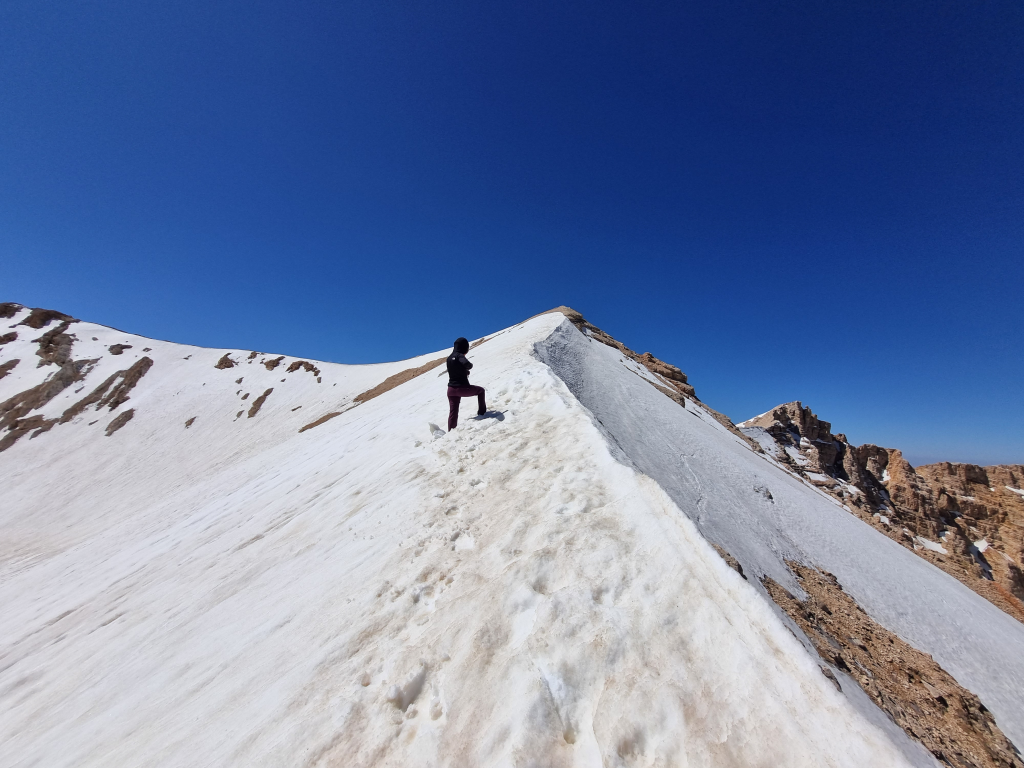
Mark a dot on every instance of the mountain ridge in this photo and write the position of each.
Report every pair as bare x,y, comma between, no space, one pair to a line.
544,551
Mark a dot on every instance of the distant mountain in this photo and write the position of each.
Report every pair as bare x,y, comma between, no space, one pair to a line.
228,557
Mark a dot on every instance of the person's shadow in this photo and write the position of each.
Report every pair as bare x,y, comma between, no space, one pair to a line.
499,415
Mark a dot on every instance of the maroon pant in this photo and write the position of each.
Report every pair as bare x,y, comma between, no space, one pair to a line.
455,394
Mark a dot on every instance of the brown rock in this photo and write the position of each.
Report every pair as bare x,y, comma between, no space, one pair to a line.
918,694
952,504
119,421
258,403
55,346
40,318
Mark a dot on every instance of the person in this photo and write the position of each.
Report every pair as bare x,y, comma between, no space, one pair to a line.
458,383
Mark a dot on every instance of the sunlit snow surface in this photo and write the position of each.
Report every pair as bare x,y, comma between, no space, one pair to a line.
365,594
715,479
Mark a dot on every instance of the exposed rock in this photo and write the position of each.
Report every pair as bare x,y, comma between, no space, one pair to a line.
225,362
117,349
258,403
399,378
9,309
34,424
14,410
309,367
114,391
7,338
40,318
119,394
252,356
321,420
918,694
731,561
960,517
190,422
8,366
119,421
272,364
55,346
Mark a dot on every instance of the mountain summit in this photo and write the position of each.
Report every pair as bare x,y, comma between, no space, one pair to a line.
219,557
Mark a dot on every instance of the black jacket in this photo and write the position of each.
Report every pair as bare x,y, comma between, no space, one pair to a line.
458,370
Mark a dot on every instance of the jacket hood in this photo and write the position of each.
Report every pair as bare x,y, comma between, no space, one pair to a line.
461,345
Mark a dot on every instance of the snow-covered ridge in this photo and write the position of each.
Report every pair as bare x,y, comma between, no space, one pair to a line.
515,592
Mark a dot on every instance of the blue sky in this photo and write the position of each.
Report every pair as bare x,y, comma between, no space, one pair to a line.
789,201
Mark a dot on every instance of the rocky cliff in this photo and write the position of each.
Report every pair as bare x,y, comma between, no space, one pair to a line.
965,519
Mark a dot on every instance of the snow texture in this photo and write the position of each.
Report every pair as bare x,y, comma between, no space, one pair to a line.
712,476
375,591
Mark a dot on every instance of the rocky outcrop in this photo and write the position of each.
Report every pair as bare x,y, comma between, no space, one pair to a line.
40,318
119,421
966,519
55,345
14,412
258,403
225,362
303,365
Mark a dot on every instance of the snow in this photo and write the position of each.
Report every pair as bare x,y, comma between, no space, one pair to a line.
885,475
930,545
981,545
1018,491
817,477
375,591
711,476
798,457
763,438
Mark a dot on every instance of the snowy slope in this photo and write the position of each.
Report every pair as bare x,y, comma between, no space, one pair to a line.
762,515
365,593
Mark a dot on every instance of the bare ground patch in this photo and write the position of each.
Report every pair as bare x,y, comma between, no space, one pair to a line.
40,318
258,403
15,410
399,378
908,685
114,391
303,364
8,366
55,345
326,417
119,421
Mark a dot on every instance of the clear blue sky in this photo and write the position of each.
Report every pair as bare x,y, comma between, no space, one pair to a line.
822,202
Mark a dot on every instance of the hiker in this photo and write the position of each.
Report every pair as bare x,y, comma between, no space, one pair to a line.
458,383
